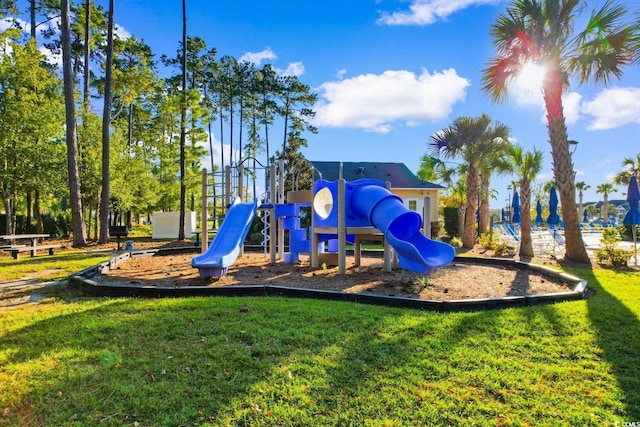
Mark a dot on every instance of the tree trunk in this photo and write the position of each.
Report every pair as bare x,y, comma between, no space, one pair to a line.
32,18
77,221
6,201
526,244
29,211
183,126
14,222
106,125
461,212
37,213
87,39
580,210
484,207
469,236
96,221
563,169
90,218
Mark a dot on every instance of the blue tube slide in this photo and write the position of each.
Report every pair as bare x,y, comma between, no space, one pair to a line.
225,247
401,228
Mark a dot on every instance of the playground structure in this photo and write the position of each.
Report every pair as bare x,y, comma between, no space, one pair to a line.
341,212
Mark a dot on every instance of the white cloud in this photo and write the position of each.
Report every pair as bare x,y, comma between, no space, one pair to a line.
9,22
52,58
571,107
425,12
257,57
293,69
217,156
121,32
374,102
341,73
613,108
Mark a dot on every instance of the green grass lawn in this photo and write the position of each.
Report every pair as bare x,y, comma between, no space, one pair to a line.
290,362
49,267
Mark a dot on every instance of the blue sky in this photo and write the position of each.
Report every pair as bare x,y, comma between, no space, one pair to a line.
391,73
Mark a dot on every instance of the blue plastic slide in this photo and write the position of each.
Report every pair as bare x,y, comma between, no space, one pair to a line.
401,228
225,247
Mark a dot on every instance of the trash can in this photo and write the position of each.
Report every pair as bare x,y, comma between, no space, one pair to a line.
128,245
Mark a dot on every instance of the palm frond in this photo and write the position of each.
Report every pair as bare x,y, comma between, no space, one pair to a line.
604,46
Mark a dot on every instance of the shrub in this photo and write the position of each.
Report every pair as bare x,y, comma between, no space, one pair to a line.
502,248
487,240
610,253
456,242
617,257
63,222
451,223
58,226
141,230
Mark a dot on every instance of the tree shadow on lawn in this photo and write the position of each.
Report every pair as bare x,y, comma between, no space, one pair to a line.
617,330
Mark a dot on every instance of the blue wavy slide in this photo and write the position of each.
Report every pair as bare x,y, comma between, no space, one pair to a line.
401,228
225,247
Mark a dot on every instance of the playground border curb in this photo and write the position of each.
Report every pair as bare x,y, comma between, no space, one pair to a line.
83,281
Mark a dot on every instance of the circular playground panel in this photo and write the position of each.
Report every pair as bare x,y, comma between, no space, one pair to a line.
465,279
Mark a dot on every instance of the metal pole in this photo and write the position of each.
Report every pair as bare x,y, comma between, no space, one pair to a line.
241,182
272,214
342,228
280,199
426,217
204,226
227,189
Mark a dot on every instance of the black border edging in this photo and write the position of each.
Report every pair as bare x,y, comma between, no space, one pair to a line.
83,282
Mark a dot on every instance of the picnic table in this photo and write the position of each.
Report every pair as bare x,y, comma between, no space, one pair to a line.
15,249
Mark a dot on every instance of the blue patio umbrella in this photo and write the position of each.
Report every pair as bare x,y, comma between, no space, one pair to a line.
585,216
515,204
502,216
553,218
632,217
538,219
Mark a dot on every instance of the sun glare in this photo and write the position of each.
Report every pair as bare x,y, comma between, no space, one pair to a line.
528,83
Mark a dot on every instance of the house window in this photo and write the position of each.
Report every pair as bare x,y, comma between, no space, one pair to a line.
413,205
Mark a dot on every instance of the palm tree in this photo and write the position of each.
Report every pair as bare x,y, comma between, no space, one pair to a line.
581,187
526,165
633,167
541,31
494,162
453,179
605,189
471,140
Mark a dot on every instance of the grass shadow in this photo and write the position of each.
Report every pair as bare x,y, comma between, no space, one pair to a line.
617,328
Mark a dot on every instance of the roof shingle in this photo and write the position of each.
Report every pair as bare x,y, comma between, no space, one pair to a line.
398,174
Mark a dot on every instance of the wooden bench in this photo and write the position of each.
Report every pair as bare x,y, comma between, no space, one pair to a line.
15,250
